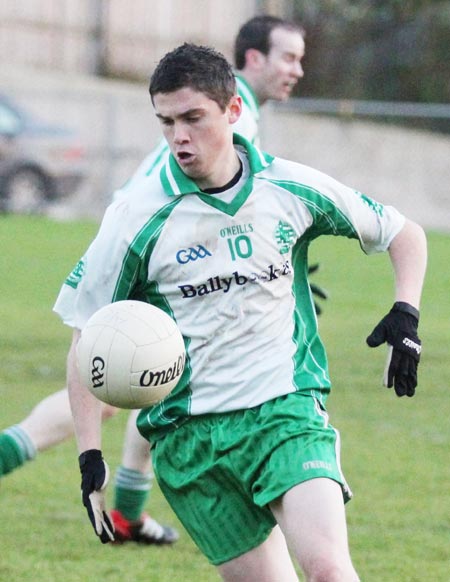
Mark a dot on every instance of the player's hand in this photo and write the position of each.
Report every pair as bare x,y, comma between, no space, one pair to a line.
94,478
399,329
317,291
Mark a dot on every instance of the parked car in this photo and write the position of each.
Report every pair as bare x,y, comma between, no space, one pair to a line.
39,162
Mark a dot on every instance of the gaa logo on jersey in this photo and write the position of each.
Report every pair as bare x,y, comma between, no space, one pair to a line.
183,256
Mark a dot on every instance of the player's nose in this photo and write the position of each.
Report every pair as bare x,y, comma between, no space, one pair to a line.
297,70
180,135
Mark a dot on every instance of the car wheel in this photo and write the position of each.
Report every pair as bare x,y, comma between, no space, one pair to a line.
25,191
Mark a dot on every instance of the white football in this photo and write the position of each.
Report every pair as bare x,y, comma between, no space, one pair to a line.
130,354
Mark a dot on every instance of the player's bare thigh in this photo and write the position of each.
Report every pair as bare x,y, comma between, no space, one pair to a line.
312,517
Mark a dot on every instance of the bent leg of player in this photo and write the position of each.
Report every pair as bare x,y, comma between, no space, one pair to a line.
132,488
47,425
312,517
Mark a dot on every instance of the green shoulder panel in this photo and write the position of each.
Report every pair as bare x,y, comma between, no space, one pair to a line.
328,218
133,274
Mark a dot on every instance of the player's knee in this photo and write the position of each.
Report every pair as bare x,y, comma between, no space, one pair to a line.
108,411
328,570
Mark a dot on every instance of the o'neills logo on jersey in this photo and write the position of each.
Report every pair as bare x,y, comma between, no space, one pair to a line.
161,377
224,284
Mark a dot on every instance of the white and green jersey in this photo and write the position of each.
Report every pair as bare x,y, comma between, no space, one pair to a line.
246,125
231,269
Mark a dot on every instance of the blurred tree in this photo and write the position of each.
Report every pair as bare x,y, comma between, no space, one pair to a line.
394,50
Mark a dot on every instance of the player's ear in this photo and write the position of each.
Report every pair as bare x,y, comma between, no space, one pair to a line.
234,108
254,58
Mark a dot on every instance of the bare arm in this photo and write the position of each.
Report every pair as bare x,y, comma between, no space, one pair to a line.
87,412
408,253
86,409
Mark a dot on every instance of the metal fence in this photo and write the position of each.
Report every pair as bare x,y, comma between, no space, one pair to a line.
384,109
400,165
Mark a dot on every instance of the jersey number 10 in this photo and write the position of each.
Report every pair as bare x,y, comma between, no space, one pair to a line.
241,246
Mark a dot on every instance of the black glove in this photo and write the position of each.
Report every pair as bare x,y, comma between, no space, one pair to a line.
315,290
94,478
399,329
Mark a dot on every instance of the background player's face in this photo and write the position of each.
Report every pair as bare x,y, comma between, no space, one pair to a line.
282,67
198,132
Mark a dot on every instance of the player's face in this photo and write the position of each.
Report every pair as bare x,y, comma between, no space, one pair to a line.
283,65
199,133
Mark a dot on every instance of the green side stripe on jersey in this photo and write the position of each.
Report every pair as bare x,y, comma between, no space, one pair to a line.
328,218
135,263
310,359
178,403
133,283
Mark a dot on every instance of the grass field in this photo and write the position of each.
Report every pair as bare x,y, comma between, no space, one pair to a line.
395,451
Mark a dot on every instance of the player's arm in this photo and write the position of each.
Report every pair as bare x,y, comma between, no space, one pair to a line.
408,254
86,411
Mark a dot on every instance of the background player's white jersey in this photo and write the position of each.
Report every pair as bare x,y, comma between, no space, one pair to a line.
231,269
247,124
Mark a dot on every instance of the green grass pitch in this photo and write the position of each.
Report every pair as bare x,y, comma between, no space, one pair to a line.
395,452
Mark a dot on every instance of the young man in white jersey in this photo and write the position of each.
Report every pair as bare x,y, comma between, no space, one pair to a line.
268,54
242,448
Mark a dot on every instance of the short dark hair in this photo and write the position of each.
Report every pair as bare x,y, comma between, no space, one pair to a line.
255,33
201,68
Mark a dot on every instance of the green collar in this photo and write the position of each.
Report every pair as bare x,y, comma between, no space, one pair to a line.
248,95
176,183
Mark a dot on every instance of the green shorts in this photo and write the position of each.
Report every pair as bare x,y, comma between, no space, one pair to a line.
219,472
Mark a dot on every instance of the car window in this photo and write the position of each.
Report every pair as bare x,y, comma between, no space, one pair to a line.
10,122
